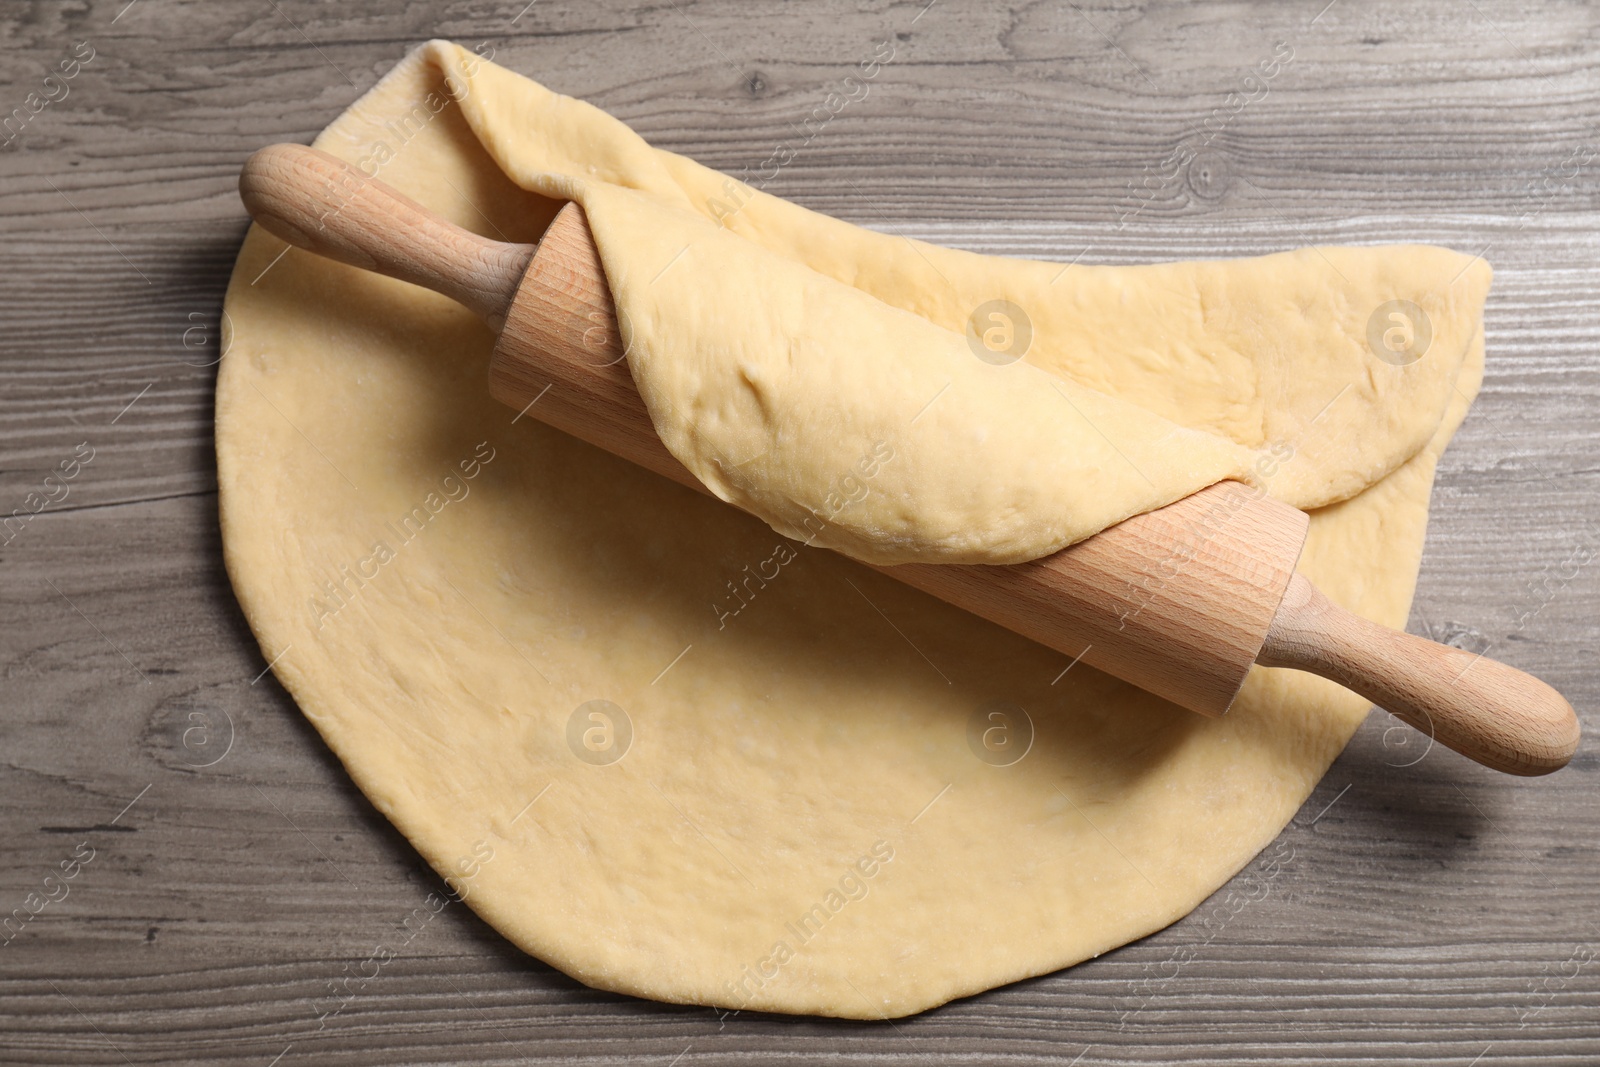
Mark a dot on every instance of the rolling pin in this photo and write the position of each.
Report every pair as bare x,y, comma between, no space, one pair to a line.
1180,601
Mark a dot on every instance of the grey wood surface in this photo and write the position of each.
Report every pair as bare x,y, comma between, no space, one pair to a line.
1426,914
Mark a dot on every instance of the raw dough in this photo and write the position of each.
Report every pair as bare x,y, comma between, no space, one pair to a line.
798,823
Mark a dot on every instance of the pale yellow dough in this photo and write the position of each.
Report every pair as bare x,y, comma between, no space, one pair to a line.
441,584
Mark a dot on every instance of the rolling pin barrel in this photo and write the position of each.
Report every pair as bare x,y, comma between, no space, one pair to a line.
1180,601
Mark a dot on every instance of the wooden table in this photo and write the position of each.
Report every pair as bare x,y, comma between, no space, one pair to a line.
1427,914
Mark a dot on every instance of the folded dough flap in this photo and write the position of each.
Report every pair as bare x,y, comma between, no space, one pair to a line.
844,385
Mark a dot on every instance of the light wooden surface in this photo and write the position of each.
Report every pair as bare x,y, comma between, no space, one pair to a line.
1434,913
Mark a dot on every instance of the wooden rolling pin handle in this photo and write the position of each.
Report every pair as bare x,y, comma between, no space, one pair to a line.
1485,710
324,205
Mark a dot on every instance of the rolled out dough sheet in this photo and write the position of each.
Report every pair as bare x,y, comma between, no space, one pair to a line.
480,615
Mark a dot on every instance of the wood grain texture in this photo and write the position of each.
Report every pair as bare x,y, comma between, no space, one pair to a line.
1432,914
1464,700
561,357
